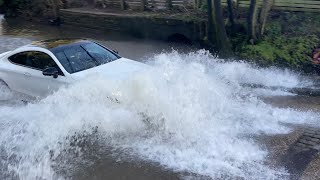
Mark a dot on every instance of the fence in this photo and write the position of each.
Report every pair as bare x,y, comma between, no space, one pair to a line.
289,5
150,4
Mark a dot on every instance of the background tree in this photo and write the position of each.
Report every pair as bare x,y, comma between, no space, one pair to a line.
256,25
222,40
216,32
210,26
231,14
266,7
252,21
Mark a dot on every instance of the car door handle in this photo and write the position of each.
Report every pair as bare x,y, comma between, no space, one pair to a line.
27,74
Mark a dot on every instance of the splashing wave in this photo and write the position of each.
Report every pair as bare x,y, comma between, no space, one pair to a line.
187,112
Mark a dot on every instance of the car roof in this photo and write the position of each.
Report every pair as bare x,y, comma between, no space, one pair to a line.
58,45
51,44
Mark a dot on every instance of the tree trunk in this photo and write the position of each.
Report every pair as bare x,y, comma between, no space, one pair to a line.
266,7
223,43
231,14
210,30
252,21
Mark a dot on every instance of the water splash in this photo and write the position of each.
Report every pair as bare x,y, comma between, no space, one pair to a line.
188,112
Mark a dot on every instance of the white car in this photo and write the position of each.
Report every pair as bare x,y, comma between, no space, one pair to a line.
41,67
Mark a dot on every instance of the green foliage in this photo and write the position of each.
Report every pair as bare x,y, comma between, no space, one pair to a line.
291,52
289,41
274,29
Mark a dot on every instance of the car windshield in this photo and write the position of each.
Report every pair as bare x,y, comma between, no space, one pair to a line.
84,55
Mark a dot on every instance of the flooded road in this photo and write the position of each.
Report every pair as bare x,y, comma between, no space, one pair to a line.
188,117
15,33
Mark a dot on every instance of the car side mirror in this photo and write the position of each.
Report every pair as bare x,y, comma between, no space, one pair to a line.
51,71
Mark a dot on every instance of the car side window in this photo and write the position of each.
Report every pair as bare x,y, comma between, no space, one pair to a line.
40,60
19,58
34,59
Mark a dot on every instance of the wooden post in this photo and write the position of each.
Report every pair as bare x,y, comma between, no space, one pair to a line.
122,4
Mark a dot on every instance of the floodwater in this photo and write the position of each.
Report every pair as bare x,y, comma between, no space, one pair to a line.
187,117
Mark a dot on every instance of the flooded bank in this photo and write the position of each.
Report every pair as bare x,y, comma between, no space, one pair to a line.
188,117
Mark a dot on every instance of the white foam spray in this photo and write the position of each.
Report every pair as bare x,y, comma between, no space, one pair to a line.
199,119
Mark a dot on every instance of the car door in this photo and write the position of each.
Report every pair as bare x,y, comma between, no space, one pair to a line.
28,75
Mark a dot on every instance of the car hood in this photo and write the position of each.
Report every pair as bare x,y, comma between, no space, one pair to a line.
118,69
